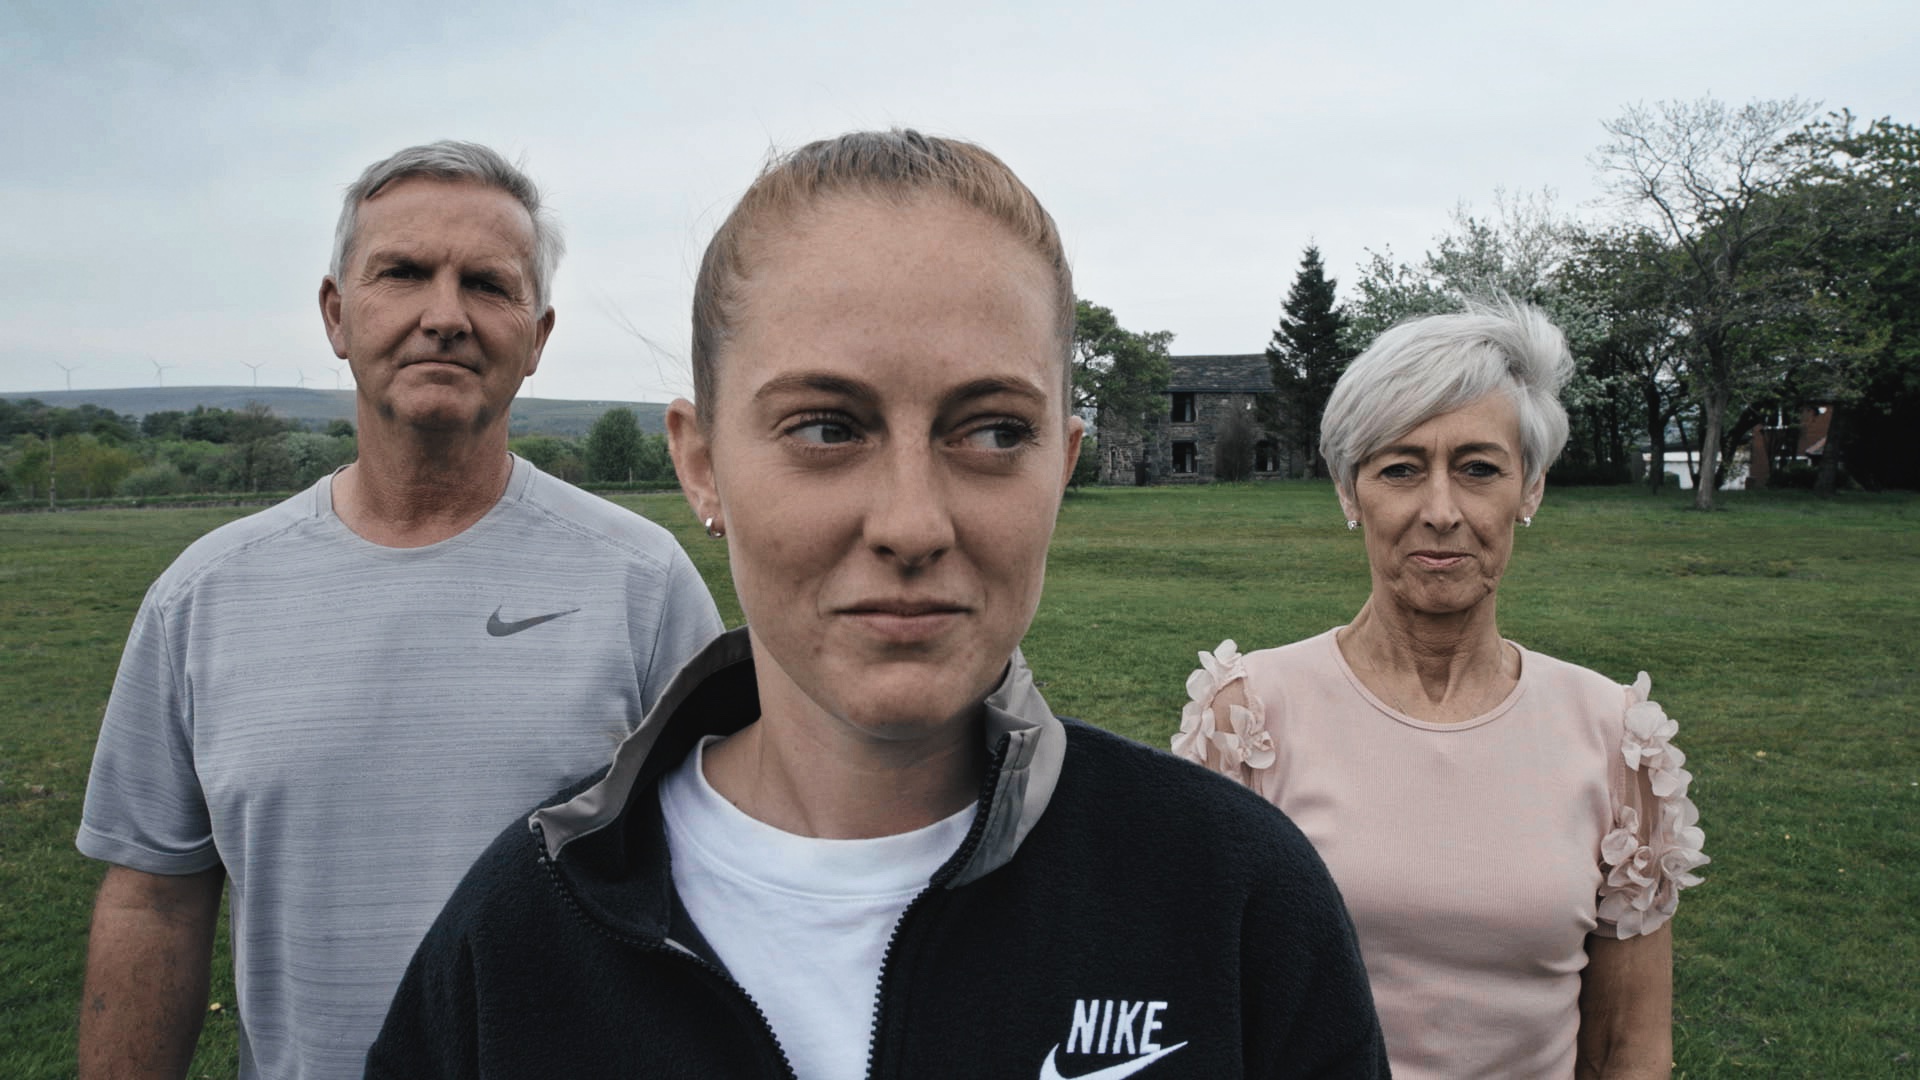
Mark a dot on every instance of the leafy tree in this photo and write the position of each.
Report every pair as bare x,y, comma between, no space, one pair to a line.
1630,352
311,455
1119,376
613,446
164,424
206,425
1860,188
654,462
1387,292
340,429
258,438
89,467
1708,182
1517,251
551,455
28,467
1307,356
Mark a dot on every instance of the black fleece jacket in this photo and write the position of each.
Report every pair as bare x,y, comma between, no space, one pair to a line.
1113,911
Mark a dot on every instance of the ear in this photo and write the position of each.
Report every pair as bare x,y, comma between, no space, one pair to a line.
330,315
1530,504
1076,433
540,331
692,453
1348,507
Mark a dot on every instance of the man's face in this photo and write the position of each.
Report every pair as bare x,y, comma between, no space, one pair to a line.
435,306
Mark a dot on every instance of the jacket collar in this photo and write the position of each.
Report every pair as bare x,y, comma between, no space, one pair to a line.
715,693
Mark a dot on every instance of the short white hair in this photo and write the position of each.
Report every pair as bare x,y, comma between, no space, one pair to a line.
451,159
1425,367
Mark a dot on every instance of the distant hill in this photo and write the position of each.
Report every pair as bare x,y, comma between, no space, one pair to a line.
317,408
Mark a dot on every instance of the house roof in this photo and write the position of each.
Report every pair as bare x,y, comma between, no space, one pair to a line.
1243,373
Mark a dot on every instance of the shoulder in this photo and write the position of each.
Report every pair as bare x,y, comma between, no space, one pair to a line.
1569,685
233,541
1309,657
1152,795
597,524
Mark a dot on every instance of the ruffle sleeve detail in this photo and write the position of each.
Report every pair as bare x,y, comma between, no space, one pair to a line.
1237,747
1655,844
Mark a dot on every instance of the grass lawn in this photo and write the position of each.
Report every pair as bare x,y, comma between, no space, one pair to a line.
1783,633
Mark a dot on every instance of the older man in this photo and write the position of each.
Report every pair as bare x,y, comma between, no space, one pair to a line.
332,706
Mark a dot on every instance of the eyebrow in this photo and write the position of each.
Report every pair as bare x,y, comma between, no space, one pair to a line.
1411,450
410,253
818,382
821,382
993,385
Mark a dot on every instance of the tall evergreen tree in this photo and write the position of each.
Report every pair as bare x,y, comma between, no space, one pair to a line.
1307,358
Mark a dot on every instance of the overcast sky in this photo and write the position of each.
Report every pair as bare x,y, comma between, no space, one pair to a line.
172,172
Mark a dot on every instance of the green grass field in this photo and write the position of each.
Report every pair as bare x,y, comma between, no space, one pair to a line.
1783,633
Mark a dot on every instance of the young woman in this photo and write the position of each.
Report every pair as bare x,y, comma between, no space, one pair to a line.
852,840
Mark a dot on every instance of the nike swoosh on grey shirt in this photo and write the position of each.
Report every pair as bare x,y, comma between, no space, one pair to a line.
502,629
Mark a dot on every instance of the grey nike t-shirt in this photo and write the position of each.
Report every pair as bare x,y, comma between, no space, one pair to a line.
345,726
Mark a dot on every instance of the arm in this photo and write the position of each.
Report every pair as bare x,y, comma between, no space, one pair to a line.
1626,1008
1223,724
148,959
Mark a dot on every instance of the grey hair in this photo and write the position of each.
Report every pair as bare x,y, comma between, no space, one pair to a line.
451,159
1428,366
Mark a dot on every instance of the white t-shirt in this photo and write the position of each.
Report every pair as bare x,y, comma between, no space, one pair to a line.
801,923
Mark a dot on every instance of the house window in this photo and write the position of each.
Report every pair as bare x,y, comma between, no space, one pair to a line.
1183,455
1265,459
1183,408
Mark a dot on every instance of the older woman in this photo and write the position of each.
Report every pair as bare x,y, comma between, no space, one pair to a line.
1509,830
852,840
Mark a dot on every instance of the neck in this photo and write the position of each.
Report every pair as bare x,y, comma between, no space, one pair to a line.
1445,668
410,488
811,776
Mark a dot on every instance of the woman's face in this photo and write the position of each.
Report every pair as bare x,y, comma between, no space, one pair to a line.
887,451
1438,506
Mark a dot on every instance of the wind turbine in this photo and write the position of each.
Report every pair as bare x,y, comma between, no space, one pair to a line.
303,377
337,369
159,371
69,369
256,370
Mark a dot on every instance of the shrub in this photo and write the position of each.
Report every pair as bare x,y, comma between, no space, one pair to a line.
1233,447
154,480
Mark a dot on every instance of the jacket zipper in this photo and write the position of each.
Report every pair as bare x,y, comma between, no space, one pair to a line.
944,874
668,947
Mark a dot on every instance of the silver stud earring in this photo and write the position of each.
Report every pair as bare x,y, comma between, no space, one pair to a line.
1526,522
1352,524
713,533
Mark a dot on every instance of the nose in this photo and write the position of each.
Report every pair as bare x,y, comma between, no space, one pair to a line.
909,520
445,314
1439,509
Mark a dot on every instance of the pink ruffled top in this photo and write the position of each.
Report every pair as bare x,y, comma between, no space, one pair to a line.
1476,857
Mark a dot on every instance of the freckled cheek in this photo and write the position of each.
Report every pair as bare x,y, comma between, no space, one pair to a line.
1010,555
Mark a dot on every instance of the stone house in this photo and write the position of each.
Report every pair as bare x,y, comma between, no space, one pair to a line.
1180,441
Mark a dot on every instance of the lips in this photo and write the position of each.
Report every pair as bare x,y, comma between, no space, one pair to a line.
904,621
1438,560
446,361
